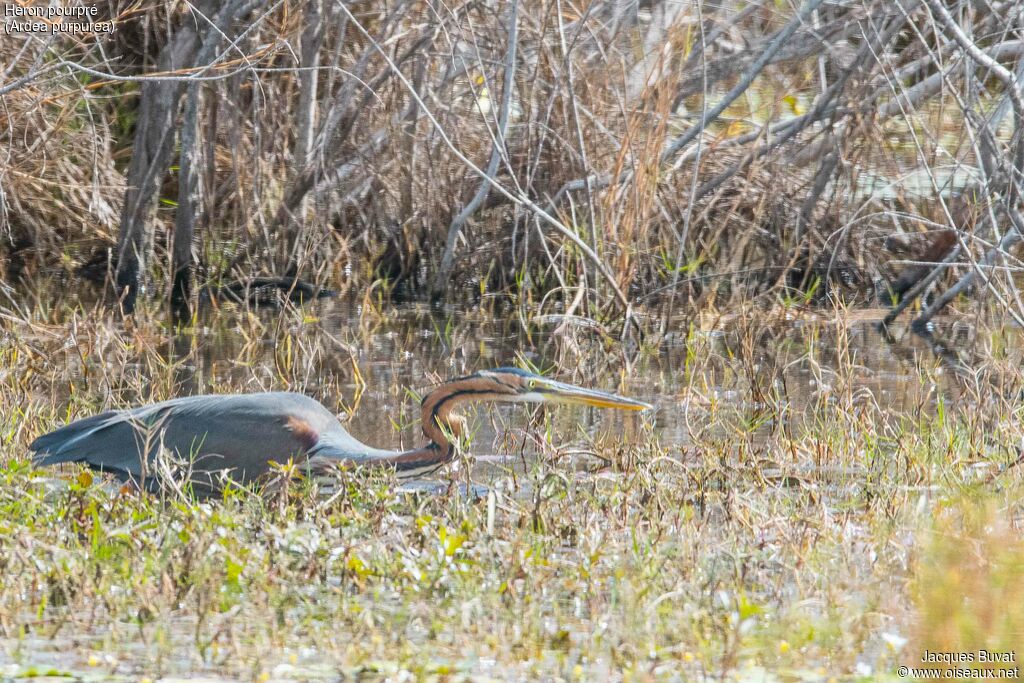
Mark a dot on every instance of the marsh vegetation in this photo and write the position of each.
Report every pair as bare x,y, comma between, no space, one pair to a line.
807,501
705,206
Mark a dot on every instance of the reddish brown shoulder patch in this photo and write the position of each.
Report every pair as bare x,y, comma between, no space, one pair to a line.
303,431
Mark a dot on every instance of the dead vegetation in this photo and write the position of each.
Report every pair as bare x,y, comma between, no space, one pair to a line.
597,155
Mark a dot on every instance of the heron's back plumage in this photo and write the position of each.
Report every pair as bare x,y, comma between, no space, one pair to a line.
240,433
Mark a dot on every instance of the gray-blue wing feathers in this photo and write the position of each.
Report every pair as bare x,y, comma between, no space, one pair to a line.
241,433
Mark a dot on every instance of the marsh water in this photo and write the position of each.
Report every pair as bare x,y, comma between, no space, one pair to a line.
370,369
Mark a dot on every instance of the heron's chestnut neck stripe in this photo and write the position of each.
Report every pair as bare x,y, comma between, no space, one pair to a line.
437,414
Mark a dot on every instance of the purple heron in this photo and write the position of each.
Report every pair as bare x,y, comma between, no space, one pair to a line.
240,435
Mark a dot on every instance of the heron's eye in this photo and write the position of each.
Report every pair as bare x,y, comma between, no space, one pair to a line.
533,384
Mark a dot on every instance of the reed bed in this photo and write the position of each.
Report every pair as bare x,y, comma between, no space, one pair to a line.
811,533
348,145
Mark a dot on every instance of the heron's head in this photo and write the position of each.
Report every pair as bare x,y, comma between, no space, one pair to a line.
513,385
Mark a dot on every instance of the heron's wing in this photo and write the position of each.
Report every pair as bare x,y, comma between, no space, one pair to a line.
241,433
111,440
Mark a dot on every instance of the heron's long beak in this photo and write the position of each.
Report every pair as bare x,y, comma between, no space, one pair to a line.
559,392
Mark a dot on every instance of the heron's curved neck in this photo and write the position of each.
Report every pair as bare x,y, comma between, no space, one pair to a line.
440,424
